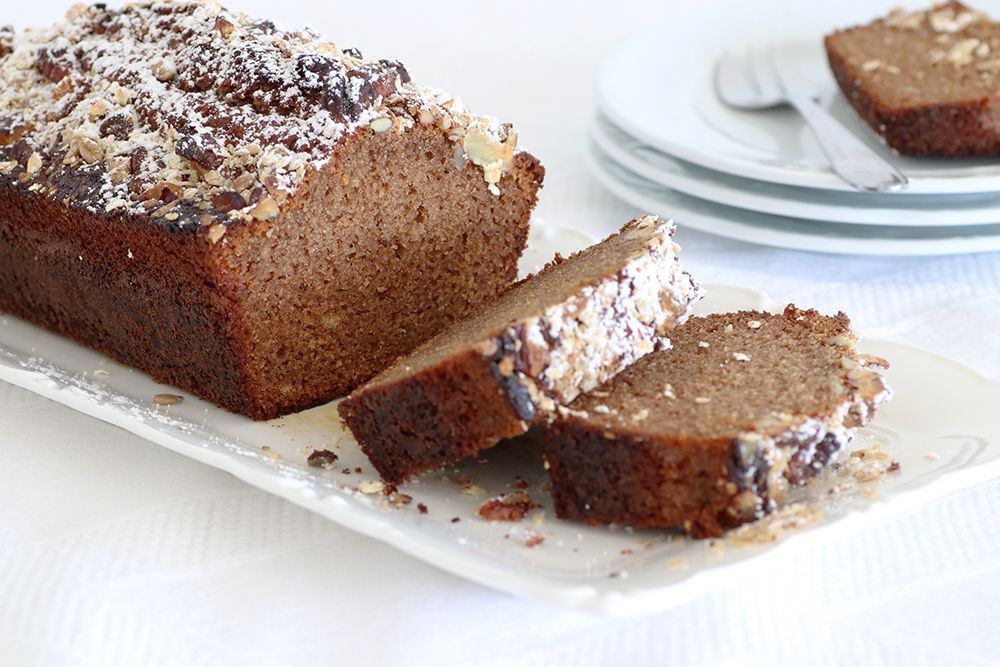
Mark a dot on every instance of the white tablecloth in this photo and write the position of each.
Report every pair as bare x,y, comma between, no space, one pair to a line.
114,551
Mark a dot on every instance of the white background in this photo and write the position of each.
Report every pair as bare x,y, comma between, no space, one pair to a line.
114,551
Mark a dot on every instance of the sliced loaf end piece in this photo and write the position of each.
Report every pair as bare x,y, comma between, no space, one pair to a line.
711,433
926,80
563,331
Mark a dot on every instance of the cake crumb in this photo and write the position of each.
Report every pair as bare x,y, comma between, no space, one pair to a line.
507,507
422,508
322,458
399,499
773,526
101,373
533,540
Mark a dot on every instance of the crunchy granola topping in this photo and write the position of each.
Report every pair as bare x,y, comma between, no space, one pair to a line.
111,102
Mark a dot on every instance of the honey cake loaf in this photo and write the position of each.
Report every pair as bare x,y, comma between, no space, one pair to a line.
567,329
710,433
926,81
252,214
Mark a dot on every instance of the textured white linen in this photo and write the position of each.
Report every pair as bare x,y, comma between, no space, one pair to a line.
115,551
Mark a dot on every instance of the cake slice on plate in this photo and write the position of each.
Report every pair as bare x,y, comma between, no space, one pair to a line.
926,81
710,433
552,336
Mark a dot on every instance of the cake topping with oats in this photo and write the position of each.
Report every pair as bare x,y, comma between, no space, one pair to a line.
199,116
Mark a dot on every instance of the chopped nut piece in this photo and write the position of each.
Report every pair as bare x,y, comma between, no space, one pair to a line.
167,399
224,26
216,232
380,125
164,70
34,163
224,202
371,486
266,209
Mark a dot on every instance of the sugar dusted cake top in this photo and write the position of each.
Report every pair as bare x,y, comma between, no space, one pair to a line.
197,116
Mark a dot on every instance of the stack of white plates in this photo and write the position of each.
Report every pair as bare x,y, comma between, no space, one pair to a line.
663,141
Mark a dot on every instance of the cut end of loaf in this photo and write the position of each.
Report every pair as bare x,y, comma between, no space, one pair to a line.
569,328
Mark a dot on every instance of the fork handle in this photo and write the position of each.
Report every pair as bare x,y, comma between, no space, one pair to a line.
851,158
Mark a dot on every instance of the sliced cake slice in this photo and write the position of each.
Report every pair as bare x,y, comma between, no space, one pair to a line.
566,330
710,433
926,81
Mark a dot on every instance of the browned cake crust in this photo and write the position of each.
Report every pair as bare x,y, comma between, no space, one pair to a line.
251,214
710,433
925,81
563,331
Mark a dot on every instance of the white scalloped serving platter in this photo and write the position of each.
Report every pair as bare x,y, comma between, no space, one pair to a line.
607,570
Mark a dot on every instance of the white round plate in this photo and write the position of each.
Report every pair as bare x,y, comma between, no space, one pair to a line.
657,86
844,207
786,232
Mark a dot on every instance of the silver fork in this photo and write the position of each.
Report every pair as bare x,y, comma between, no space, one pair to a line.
772,82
